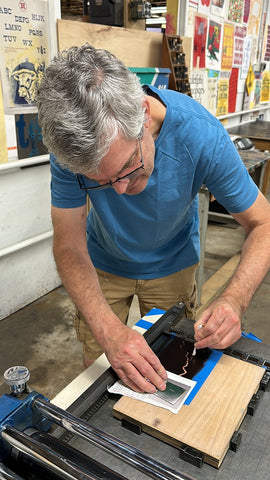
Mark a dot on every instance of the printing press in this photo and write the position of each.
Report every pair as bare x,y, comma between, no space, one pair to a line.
77,435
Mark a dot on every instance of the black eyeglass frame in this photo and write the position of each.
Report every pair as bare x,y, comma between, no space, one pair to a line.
110,183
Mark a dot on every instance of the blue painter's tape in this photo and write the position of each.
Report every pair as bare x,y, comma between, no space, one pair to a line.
251,336
202,375
144,324
155,311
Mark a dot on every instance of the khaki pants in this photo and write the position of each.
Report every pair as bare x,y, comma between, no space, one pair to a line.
161,293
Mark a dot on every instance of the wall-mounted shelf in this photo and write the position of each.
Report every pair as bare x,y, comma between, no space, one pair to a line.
173,57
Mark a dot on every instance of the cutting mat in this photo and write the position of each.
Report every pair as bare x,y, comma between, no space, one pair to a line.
213,416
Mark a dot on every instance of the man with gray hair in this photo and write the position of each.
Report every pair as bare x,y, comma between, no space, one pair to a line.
141,155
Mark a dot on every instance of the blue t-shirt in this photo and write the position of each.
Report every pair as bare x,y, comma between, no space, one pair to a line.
156,233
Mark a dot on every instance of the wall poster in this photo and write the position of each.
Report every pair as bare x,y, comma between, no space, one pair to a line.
227,47
213,45
254,17
239,35
24,52
236,11
3,138
199,42
266,46
204,6
213,76
223,93
218,8
198,86
265,93
233,87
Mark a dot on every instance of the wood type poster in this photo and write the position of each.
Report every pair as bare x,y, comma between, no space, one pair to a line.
223,93
265,93
199,42
227,47
29,136
24,49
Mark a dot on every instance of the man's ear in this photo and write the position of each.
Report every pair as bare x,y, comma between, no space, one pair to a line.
147,115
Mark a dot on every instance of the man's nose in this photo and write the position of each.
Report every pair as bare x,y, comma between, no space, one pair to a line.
121,186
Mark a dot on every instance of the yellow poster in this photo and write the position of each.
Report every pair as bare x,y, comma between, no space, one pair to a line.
227,47
250,80
265,91
223,94
24,52
3,138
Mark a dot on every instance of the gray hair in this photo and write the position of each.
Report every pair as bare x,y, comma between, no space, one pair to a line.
86,98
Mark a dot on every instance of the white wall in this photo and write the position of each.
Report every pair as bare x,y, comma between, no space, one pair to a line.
27,272
27,268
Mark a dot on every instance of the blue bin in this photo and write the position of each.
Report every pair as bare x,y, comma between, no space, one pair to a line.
158,77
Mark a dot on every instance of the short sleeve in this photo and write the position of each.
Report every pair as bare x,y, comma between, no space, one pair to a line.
65,190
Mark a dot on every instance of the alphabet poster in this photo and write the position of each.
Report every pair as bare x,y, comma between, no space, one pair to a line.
24,52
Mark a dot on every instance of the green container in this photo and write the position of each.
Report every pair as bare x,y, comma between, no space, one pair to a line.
158,77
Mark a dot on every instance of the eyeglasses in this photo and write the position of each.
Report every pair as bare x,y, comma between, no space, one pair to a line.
131,174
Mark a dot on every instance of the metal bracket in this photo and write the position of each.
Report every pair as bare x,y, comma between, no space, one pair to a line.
235,441
132,426
191,455
265,381
253,404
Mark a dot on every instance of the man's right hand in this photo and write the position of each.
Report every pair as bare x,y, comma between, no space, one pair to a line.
133,360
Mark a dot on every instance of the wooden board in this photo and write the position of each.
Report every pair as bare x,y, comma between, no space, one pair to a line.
135,48
213,416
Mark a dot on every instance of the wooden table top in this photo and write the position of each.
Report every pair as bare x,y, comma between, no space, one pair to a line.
253,158
258,129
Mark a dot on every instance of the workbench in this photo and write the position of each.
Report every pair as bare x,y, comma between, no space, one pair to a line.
88,399
251,460
259,132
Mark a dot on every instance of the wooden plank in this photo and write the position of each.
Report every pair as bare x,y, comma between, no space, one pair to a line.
217,283
211,419
135,48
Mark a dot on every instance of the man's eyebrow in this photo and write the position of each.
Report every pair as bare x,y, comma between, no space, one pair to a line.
127,164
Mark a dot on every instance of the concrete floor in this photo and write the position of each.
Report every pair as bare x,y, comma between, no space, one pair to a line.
41,335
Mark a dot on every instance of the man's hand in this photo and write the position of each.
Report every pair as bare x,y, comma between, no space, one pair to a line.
134,362
219,325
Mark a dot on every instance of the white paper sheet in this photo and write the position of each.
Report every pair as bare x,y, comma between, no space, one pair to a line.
178,389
